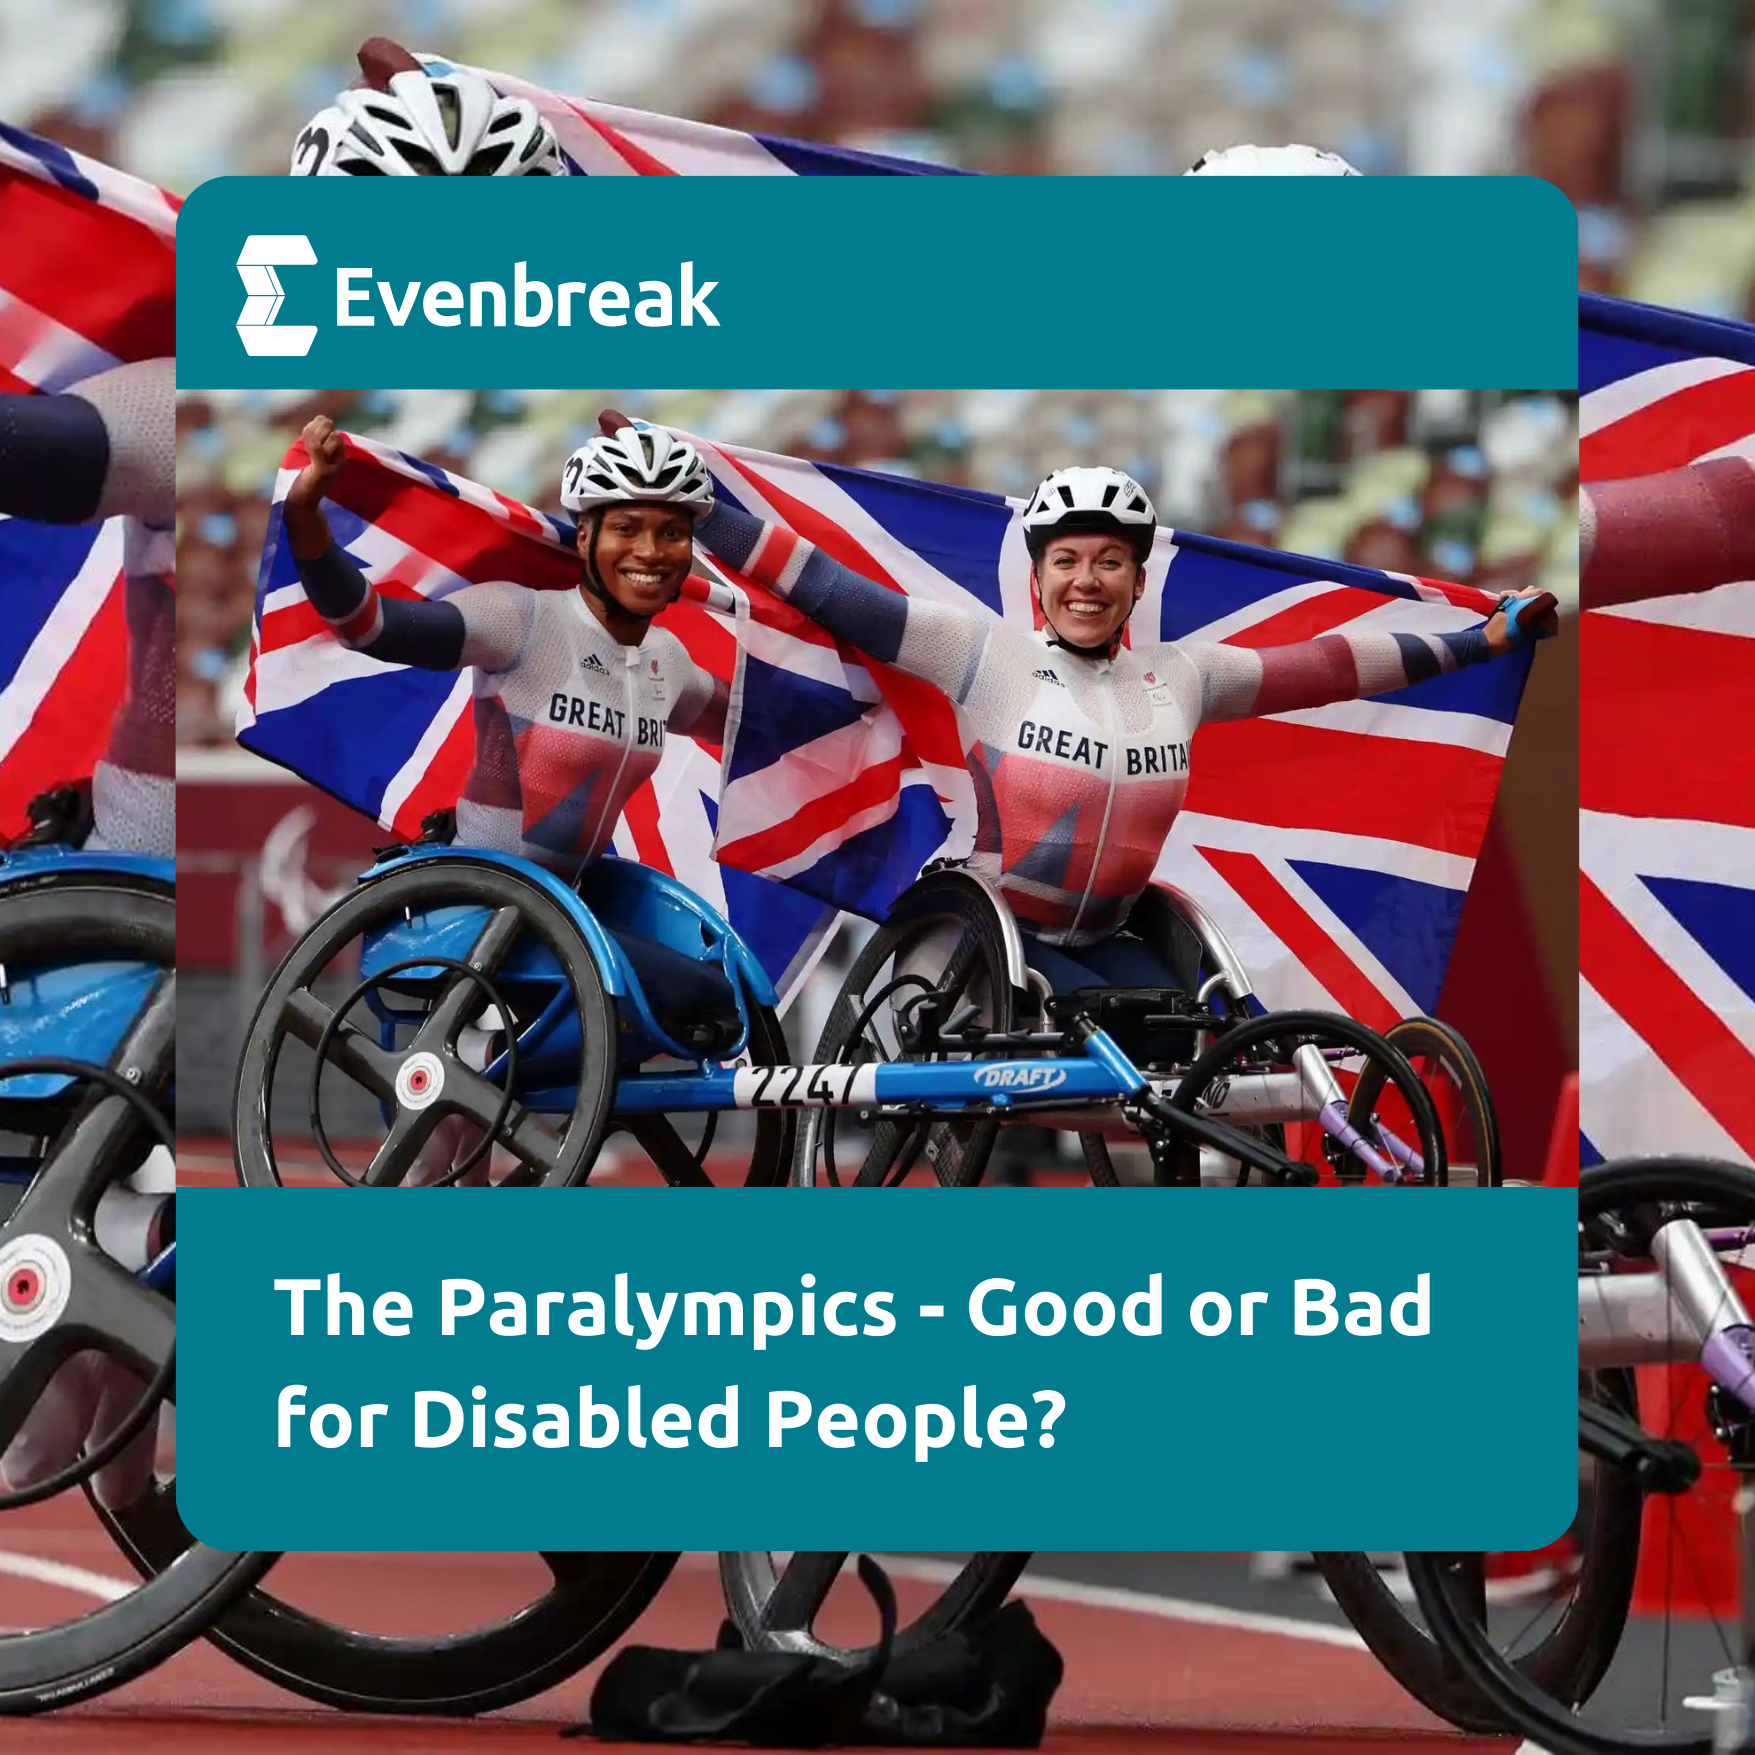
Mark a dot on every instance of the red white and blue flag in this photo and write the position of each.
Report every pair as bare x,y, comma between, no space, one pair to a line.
87,282
1666,934
608,140
1336,846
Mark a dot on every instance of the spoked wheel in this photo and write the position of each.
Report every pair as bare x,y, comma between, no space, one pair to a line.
681,1147
1555,1615
790,1602
62,1295
544,1617
939,939
1449,1070
1670,1680
1276,1068
479,988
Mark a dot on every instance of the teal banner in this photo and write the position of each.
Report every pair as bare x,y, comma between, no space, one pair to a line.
1053,283
935,1369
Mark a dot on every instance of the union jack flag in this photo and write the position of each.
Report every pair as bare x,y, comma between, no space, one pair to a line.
87,282
1666,781
1336,846
396,742
607,140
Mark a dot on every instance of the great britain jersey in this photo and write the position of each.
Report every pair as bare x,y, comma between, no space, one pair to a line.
1079,764
569,722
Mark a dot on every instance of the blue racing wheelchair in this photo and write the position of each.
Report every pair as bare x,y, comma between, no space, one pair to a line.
87,1056
472,989
500,1024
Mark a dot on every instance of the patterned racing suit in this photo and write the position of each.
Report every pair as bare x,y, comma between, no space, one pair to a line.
1079,764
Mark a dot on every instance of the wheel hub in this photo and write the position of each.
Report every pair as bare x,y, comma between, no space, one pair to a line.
36,1281
419,1080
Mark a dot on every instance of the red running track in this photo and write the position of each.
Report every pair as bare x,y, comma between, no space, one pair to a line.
1143,1672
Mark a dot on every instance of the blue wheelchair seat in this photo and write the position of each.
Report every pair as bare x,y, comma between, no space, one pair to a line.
691,999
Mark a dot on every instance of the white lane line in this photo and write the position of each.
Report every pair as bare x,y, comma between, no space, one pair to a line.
57,1572
1095,1596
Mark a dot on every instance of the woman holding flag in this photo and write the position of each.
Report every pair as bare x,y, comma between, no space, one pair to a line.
1076,743
574,690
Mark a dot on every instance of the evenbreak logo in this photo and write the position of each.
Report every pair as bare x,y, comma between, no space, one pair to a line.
362,301
261,255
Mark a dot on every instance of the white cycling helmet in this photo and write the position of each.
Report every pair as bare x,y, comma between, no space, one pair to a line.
637,465
1073,502
414,120
1272,161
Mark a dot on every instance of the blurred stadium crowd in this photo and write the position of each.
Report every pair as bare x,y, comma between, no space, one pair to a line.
1640,110
1466,485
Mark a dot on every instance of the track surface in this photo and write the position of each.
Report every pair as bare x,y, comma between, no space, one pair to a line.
1176,1665
1163,1651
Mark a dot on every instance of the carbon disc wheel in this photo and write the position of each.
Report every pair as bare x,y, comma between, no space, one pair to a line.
506,927
85,1138
941,939
1271,1045
1665,1664
585,1603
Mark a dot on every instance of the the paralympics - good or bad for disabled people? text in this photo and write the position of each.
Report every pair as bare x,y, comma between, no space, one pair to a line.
995,1307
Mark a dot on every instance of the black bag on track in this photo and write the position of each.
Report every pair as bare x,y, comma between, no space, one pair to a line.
987,1685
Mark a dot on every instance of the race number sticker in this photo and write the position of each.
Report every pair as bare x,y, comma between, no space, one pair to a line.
805,1087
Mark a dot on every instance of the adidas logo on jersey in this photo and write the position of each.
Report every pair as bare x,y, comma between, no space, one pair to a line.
1052,676
592,662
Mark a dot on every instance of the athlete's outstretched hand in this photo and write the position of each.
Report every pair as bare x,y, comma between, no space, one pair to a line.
1513,624
306,528
328,453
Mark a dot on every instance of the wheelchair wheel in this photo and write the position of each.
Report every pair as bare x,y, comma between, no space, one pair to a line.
571,1608
1669,1680
1448,1068
679,1147
789,1602
1558,1626
76,1142
939,937
522,958
1261,1067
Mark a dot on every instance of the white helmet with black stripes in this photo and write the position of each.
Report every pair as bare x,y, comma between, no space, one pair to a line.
415,119
1271,161
637,464
1078,502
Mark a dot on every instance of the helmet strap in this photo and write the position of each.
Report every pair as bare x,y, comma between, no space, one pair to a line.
1107,649
591,576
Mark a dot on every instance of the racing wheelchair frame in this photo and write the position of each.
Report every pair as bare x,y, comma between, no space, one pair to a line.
1206,1050
87,1059
495,992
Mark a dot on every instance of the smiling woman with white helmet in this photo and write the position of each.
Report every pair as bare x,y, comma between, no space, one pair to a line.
574,690
425,118
1077,745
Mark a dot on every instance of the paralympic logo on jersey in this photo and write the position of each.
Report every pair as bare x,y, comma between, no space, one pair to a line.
262,254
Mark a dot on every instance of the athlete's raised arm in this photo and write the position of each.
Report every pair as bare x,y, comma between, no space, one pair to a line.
1243,682
934,641
105,448
1660,535
486,626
